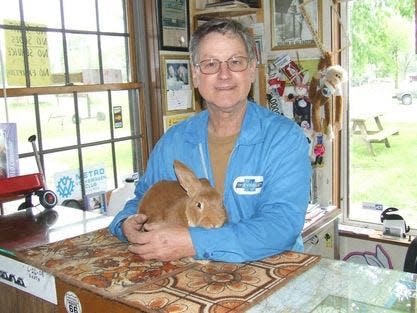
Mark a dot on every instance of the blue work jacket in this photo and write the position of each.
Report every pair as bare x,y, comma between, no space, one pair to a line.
266,189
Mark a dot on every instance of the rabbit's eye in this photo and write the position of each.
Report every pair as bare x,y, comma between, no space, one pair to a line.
199,205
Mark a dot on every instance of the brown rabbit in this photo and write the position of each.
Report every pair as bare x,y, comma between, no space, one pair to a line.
189,201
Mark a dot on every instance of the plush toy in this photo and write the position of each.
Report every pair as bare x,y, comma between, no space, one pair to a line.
324,85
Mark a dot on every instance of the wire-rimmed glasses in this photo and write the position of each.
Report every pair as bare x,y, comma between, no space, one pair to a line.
234,64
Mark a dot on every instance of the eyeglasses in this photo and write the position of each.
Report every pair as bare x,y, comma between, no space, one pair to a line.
212,66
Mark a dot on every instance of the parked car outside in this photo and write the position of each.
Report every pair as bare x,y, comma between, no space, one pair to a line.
406,93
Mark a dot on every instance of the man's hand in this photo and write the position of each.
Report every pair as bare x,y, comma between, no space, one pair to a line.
159,241
133,225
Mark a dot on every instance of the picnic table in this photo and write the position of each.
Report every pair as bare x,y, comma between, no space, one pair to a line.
378,135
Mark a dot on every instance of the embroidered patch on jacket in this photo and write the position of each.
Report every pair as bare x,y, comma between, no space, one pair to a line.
248,185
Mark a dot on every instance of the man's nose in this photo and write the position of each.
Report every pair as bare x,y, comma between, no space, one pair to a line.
224,69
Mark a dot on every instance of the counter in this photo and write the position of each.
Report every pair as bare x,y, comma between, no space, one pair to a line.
338,286
94,272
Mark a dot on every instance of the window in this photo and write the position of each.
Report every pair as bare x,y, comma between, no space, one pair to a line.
69,77
381,139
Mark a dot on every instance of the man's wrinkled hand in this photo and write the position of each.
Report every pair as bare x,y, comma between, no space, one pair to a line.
162,241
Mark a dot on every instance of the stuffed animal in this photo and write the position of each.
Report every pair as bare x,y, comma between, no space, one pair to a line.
301,105
325,84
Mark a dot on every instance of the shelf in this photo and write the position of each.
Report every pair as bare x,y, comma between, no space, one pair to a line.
373,235
319,222
223,12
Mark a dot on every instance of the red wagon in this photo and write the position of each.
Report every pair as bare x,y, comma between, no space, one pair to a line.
25,186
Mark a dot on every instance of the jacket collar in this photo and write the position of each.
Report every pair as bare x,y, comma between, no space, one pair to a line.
251,131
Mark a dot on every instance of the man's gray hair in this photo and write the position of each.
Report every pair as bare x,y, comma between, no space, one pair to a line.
222,26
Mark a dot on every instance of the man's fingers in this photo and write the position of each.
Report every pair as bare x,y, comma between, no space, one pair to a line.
141,238
143,250
150,226
140,218
155,226
135,222
136,226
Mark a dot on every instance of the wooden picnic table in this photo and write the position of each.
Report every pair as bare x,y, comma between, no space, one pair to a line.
379,135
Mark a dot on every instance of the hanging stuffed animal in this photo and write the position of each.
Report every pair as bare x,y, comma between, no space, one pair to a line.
325,84
301,105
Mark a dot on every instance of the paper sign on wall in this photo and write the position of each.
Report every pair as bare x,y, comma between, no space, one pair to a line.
37,53
68,183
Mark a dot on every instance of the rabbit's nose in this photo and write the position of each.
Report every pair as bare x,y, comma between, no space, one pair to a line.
207,222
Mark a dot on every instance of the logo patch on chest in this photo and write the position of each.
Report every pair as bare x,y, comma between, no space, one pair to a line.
248,185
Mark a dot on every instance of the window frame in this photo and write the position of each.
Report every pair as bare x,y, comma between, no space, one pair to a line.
133,29
343,186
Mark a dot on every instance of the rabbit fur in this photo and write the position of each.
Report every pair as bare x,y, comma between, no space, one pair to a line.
189,201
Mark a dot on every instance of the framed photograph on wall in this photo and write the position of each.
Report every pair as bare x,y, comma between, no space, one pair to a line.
174,25
177,92
290,28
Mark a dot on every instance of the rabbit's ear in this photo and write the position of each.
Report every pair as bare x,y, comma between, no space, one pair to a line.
186,178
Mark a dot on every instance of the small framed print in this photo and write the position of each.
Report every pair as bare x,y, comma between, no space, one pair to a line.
177,93
290,29
95,202
171,120
258,48
117,116
174,26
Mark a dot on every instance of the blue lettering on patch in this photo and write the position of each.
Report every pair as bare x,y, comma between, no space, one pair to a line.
248,185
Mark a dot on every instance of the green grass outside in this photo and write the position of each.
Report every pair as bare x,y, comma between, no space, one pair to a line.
60,131
389,177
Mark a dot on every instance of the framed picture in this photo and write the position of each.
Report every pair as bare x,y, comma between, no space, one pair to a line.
290,28
258,48
250,3
253,3
171,120
174,25
177,93
95,202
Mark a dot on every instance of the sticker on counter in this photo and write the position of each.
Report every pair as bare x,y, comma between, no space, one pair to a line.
28,279
72,303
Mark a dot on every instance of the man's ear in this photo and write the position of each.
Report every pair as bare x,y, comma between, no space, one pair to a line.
195,74
252,69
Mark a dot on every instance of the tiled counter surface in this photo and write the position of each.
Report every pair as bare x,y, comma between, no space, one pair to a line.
97,265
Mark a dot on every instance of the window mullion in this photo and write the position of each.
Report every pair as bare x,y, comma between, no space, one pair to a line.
24,44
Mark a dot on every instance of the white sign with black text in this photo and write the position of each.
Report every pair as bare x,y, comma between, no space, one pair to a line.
28,279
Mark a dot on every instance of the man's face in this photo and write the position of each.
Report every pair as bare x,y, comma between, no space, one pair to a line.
224,90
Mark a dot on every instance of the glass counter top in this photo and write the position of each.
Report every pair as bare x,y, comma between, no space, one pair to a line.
339,286
31,228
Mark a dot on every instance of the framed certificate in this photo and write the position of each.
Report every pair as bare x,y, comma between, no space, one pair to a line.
174,26
289,27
